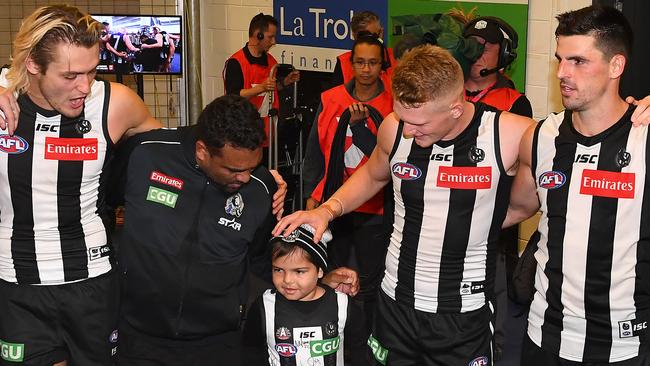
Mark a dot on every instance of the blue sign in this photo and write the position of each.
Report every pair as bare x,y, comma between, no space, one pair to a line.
322,23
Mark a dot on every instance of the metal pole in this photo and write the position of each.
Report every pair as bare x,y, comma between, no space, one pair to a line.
192,17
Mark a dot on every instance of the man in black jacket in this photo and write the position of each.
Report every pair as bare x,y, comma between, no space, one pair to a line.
197,217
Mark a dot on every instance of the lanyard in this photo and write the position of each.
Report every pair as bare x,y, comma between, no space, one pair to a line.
480,95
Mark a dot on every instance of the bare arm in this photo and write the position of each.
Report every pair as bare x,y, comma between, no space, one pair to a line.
511,130
267,85
110,48
129,45
172,48
127,114
362,185
524,202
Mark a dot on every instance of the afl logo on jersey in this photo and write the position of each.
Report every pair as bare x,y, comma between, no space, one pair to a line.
479,361
552,180
286,349
13,144
406,171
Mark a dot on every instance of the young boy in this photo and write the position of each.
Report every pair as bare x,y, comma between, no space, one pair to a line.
301,321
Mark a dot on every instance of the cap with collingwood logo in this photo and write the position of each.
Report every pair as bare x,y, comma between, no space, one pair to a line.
303,236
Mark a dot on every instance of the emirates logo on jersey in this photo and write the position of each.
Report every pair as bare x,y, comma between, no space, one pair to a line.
607,184
13,144
165,179
70,149
406,171
463,177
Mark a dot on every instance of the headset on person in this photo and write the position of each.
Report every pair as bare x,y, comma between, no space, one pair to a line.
259,21
507,47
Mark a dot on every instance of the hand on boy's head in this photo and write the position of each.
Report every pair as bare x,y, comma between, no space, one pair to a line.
318,219
343,279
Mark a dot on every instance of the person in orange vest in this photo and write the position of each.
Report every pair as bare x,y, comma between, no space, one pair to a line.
250,72
369,22
340,142
487,84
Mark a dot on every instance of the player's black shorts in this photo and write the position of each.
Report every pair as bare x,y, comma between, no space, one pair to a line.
43,325
138,349
404,336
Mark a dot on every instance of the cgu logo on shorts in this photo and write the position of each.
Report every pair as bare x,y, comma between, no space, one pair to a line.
70,149
324,347
380,353
552,180
406,171
13,144
603,183
12,352
162,196
286,349
479,361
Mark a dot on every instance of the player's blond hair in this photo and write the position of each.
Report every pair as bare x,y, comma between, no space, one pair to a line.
41,32
426,73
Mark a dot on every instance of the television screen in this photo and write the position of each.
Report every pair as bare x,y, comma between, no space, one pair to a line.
140,44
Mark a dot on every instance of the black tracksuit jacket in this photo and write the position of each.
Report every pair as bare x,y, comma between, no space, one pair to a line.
187,244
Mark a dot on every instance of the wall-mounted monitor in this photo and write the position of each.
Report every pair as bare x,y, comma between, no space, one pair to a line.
148,44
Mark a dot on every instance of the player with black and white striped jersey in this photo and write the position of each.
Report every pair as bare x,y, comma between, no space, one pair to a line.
58,294
451,163
586,169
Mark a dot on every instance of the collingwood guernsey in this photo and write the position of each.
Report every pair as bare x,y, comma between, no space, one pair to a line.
450,202
52,193
592,296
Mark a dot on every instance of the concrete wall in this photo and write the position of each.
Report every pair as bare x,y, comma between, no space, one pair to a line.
225,30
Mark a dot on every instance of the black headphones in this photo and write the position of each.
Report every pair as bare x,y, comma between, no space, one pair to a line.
508,45
260,35
373,38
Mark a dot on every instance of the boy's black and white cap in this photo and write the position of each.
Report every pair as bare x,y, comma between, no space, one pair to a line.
303,236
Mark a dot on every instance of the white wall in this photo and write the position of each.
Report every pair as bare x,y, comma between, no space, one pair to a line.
224,30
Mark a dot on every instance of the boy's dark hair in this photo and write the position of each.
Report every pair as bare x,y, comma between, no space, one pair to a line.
233,120
365,37
281,249
607,25
260,23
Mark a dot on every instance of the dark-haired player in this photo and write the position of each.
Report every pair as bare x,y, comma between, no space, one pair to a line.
197,218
